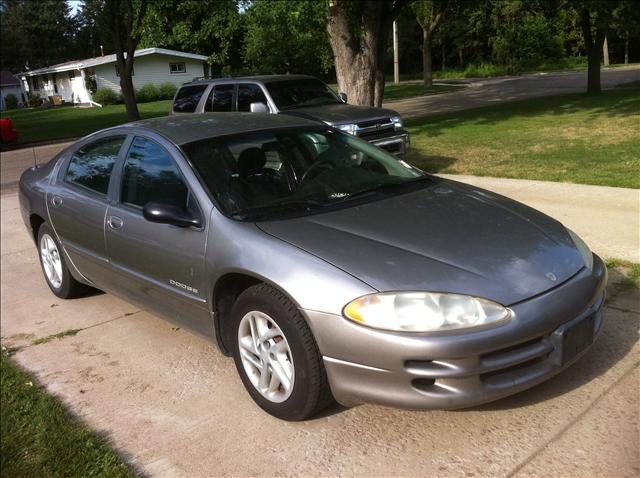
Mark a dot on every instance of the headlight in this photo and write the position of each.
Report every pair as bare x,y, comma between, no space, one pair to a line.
586,253
397,122
348,128
424,311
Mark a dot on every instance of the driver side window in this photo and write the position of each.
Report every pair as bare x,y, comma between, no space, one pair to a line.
150,174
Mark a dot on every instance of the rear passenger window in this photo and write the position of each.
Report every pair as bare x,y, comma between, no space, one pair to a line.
220,99
187,98
90,166
249,93
150,174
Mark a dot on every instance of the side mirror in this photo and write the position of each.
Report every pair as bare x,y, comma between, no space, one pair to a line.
169,214
258,108
343,96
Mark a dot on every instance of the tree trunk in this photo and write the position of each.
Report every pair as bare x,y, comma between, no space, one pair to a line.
427,66
594,48
605,52
460,58
444,57
626,49
593,72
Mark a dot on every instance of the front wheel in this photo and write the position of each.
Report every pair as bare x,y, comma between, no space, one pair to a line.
276,355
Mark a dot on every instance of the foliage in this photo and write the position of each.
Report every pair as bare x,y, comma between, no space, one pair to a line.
167,90
148,93
39,437
569,138
287,36
35,34
205,27
105,96
11,101
90,83
35,101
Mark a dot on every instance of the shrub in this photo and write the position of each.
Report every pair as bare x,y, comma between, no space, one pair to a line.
90,83
147,93
167,91
105,96
11,101
35,101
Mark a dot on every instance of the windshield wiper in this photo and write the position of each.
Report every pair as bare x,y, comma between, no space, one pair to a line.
384,188
283,206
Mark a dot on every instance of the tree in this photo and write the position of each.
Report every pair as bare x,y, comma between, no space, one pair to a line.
626,23
287,36
120,24
212,28
429,14
595,17
35,34
359,33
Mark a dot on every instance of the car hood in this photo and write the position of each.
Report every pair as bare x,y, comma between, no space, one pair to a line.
341,113
448,237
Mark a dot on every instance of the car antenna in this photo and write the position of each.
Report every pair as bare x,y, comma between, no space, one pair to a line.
33,151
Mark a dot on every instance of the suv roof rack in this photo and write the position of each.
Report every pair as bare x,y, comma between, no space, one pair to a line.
206,78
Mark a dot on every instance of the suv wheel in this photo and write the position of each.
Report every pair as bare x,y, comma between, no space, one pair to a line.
276,355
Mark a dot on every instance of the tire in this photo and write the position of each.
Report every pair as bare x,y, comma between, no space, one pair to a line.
295,351
61,282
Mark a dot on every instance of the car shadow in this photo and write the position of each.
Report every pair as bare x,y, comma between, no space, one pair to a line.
429,163
618,336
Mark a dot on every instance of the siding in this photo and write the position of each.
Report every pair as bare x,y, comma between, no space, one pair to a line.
148,69
10,90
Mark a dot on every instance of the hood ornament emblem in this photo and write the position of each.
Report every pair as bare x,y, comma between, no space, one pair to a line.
551,276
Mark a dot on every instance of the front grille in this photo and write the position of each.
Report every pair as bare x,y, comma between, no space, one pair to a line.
374,129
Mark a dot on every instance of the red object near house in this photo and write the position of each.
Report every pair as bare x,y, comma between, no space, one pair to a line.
7,131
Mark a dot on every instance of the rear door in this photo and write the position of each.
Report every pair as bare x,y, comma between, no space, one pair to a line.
220,98
162,267
77,202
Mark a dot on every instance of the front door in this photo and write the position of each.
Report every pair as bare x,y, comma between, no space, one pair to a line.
161,267
77,204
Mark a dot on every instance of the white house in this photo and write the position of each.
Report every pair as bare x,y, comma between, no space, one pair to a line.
151,65
9,85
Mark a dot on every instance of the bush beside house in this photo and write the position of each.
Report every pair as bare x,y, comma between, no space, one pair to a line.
11,101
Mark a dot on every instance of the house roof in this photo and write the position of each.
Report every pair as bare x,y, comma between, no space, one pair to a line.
101,60
7,79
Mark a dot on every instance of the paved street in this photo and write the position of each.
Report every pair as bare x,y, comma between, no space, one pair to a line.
486,91
174,406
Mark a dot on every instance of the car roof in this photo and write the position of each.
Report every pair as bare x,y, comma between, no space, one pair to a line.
182,129
259,78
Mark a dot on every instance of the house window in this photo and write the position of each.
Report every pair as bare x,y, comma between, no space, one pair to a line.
72,75
118,71
177,68
54,79
34,80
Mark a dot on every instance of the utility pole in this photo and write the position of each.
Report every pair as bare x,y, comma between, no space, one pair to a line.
396,64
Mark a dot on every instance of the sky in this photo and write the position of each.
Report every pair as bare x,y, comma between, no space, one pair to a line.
74,5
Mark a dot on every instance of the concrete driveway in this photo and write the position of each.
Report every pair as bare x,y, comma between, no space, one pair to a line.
174,406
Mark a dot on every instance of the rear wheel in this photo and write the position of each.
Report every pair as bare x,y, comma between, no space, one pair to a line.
54,266
276,355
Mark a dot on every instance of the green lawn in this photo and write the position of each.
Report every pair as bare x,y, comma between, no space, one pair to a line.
69,122
570,138
38,436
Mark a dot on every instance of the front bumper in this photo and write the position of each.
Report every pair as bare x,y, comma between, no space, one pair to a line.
449,371
396,144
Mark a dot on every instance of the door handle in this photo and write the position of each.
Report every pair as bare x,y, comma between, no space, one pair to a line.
114,222
56,201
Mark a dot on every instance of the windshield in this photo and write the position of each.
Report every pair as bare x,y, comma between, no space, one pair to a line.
290,94
268,174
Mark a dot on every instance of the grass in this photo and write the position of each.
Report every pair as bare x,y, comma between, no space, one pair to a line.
60,335
630,272
39,437
35,125
569,138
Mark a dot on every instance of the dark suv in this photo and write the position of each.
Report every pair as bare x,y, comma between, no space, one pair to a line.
297,95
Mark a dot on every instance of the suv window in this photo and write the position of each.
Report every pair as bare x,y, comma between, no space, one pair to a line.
91,165
188,97
220,99
249,93
150,174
